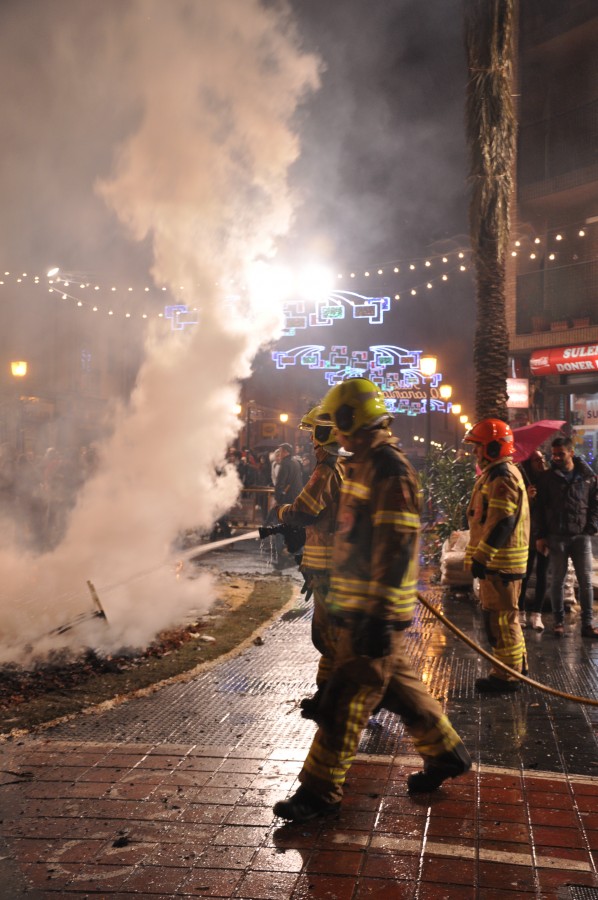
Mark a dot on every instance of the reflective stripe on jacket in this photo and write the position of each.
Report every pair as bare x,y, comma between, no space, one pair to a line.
375,562
499,521
315,508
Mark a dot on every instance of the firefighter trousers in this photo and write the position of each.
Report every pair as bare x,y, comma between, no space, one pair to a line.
355,688
323,631
500,608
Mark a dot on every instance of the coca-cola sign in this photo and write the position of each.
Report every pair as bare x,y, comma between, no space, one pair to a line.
565,360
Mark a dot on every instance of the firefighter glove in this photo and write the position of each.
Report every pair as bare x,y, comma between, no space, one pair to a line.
478,569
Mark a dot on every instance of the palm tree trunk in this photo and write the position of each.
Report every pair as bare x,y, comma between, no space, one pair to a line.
490,123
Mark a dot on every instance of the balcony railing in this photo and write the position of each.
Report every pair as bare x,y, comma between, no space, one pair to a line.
567,295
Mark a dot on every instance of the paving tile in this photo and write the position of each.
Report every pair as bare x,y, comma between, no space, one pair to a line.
394,866
266,886
322,887
335,862
272,859
378,889
211,882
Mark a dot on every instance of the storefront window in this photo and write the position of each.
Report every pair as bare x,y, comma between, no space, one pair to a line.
584,419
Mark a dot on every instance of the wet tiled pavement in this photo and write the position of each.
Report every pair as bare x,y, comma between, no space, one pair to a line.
170,795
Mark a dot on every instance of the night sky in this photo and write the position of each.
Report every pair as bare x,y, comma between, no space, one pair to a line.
381,178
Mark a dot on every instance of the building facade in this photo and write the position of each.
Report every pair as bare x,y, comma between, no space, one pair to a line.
552,289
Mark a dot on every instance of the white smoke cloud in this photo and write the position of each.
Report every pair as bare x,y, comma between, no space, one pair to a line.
202,176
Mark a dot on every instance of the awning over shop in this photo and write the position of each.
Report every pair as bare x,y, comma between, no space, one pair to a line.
564,360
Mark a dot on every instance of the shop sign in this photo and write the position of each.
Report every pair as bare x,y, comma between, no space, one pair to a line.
590,412
518,393
564,360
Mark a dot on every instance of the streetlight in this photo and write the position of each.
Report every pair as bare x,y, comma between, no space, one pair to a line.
18,370
427,367
464,420
456,411
445,392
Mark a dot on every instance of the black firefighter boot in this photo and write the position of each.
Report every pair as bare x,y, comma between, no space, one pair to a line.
304,806
438,768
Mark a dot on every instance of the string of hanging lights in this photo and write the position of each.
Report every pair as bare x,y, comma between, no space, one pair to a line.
403,278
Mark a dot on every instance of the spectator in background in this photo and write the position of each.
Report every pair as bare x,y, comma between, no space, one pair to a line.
289,481
567,507
532,470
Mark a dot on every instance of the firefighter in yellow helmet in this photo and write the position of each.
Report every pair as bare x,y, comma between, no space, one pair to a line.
499,525
315,509
371,601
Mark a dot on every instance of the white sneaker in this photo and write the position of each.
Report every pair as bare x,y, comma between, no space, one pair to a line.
535,621
522,619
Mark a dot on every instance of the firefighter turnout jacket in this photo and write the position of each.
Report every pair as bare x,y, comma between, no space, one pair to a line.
315,509
375,556
499,521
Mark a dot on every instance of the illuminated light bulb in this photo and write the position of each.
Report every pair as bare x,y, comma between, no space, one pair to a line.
581,232
558,237
352,274
518,243
445,277
532,256
164,288
160,315
24,274
112,288
396,269
428,263
19,279
461,255
397,296
146,289
51,272
66,283
64,297
444,259
1,282
413,292
127,315
79,303
95,309
144,315
97,287
81,285
367,274
552,256
429,285
411,266
513,253
130,289
380,272
536,240
462,268
339,275
110,312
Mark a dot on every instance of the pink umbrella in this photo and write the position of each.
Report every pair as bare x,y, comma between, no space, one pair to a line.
529,437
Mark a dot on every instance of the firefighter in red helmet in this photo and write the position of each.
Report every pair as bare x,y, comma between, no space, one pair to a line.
499,523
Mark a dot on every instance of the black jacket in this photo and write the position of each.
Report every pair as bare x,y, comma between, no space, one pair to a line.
564,507
289,481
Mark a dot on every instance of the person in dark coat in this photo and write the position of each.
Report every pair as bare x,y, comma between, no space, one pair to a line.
532,470
567,505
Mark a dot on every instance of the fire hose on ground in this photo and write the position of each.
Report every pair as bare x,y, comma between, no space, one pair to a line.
496,662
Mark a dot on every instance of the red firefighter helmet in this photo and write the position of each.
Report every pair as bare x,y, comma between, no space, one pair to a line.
494,435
